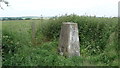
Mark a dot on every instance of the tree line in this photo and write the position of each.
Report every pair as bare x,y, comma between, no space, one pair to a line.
14,18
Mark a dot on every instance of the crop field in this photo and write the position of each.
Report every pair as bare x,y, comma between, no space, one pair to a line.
98,42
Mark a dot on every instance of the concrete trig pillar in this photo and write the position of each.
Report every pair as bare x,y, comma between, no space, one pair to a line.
69,40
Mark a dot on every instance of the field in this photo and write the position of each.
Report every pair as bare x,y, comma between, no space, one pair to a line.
98,42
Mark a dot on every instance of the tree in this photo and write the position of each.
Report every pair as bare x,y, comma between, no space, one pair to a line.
27,18
4,1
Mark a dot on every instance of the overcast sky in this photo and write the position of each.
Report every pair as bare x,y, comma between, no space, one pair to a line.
108,8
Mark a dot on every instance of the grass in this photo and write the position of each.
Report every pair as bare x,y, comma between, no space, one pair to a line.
97,42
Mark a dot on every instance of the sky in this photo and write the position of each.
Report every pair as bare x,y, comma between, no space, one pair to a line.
100,8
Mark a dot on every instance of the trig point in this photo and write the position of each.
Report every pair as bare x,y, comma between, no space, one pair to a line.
69,40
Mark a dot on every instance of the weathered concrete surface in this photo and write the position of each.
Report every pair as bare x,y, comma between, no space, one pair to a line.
69,40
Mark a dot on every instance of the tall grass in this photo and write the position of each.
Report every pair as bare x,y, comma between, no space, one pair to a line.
98,45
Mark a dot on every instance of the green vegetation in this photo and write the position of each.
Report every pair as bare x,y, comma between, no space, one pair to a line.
98,42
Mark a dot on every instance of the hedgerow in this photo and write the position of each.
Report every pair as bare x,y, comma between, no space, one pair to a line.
98,42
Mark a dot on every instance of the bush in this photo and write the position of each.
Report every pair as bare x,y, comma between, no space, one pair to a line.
51,30
97,42
93,32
